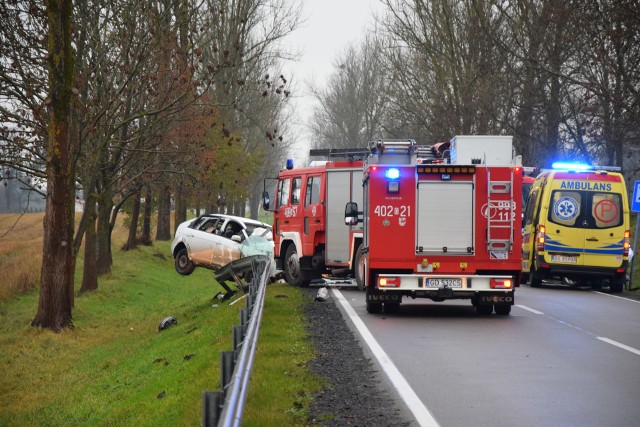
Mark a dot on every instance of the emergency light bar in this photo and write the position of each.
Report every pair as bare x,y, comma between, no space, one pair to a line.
571,166
446,169
583,167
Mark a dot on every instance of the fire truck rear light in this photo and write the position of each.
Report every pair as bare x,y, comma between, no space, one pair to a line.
620,270
392,173
389,282
501,283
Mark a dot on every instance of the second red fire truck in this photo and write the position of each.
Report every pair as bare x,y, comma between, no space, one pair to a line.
441,229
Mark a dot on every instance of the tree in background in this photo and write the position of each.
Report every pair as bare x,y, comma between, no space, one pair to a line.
351,108
58,263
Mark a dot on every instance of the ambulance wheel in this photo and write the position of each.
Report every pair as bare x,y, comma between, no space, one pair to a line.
534,280
502,310
616,285
485,310
292,273
359,269
374,307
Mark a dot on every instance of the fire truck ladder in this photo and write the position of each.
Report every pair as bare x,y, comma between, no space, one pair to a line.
495,222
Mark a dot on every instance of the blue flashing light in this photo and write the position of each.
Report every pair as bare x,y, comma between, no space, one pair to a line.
392,174
572,166
289,164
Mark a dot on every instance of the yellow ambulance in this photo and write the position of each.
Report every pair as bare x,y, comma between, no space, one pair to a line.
576,227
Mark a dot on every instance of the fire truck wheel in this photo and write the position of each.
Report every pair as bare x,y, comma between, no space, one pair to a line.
359,269
292,272
502,310
391,307
485,309
374,307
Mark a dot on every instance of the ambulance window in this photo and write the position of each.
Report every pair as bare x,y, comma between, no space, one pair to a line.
312,194
528,214
295,191
606,209
283,192
564,208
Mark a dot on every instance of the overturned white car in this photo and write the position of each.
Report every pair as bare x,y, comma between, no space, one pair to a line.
214,240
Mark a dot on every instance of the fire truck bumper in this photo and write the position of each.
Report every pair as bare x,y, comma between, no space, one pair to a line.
497,290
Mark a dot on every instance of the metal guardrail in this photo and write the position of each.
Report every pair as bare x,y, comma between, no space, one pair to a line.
225,407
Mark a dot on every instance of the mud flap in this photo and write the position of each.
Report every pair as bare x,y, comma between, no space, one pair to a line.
496,299
383,297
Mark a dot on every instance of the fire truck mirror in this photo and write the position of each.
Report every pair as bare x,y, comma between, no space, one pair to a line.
351,213
266,202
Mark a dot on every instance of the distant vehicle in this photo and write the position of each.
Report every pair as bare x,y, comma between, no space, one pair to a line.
576,227
214,240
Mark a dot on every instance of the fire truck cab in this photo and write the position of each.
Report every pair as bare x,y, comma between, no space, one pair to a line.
309,232
441,227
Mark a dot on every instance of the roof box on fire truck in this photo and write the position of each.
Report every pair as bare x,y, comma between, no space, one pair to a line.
488,150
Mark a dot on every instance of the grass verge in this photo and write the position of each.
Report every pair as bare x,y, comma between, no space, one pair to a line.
116,368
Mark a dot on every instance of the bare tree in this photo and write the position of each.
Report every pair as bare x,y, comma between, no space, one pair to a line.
350,110
58,262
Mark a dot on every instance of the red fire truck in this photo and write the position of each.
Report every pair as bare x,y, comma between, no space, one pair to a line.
309,231
441,228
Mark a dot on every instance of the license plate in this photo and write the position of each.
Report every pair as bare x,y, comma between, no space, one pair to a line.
563,258
441,282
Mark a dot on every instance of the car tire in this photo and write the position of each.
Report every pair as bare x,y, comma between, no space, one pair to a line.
359,269
292,272
182,263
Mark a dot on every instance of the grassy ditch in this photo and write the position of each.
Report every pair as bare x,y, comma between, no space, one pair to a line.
116,368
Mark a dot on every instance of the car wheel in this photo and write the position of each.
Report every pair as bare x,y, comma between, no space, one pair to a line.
359,268
183,264
292,272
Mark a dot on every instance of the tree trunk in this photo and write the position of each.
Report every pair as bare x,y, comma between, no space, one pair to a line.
104,261
145,238
180,214
90,272
163,231
132,241
58,265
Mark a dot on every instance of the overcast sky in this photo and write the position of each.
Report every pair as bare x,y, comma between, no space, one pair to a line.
330,26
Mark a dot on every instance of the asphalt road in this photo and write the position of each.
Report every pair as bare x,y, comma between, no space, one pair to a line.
564,357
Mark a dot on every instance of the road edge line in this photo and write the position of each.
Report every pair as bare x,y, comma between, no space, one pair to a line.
422,415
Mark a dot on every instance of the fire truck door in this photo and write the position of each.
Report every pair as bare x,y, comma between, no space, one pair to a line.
342,186
313,213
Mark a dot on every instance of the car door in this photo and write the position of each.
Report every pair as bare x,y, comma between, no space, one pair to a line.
225,249
567,223
605,232
201,240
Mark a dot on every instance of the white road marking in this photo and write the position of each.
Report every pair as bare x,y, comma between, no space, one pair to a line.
616,296
604,339
620,345
422,415
529,309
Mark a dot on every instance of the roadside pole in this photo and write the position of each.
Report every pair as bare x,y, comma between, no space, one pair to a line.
635,207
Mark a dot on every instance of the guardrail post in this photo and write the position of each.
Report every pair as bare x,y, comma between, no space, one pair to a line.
227,362
244,319
211,408
238,337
